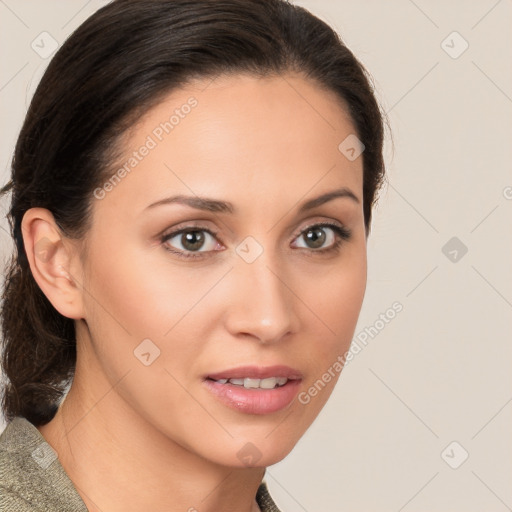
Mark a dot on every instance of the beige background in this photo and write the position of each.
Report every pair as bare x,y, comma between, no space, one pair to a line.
440,370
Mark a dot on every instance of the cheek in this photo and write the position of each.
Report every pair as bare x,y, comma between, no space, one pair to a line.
337,295
342,304
140,328
335,300
137,292
135,296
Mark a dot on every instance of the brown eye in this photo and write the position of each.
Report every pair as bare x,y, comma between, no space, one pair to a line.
315,237
187,241
193,240
322,237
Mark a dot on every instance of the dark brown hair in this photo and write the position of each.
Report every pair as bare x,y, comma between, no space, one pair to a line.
112,69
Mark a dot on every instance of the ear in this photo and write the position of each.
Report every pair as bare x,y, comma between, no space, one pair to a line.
51,257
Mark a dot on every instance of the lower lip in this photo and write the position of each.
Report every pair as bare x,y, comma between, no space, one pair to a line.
254,401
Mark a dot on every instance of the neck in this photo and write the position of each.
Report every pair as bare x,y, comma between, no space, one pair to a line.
119,462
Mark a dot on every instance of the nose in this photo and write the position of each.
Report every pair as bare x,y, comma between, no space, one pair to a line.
262,303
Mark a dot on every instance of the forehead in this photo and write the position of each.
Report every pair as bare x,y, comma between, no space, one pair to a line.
275,136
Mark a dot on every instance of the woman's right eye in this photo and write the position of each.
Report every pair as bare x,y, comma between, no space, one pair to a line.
190,241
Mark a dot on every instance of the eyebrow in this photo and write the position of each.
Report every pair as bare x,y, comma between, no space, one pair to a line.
216,206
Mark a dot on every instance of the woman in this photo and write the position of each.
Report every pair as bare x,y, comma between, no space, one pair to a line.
192,193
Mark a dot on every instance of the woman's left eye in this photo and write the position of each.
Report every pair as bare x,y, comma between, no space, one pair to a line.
320,238
316,237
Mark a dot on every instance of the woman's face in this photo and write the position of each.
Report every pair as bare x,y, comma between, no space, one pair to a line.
234,281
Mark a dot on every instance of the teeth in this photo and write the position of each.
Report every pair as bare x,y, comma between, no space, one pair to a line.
251,383
269,383
247,383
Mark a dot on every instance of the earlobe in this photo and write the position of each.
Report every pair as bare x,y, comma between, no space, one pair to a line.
50,258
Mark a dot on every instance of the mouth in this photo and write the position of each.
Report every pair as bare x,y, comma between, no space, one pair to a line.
248,383
255,390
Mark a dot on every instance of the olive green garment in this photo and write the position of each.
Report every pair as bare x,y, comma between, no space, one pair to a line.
33,480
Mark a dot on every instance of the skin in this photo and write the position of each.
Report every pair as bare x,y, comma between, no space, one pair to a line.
134,437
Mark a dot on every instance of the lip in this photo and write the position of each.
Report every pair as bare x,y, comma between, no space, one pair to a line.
257,372
255,401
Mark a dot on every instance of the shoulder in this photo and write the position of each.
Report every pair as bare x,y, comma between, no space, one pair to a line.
31,476
12,502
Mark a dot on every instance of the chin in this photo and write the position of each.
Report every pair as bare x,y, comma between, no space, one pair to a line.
255,451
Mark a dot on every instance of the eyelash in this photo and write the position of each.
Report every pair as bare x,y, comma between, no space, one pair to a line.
342,234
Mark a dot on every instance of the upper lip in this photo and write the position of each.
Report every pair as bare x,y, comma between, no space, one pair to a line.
256,372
